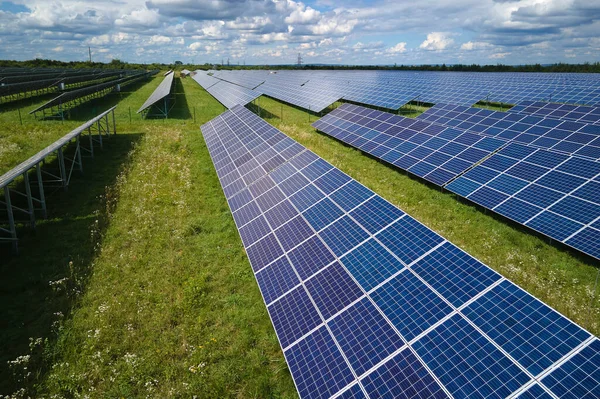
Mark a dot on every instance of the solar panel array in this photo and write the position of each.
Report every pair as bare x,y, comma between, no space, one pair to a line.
204,80
393,89
570,112
367,302
573,138
428,150
291,92
161,91
231,95
553,193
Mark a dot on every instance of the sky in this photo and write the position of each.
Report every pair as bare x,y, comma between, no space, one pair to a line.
368,32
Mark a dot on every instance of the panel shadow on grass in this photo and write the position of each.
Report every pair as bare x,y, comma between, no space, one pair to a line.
29,303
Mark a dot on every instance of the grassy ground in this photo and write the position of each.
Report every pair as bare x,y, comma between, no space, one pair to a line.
157,298
138,285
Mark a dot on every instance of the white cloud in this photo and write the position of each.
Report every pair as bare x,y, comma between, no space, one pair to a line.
499,55
469,46
397,49
437,41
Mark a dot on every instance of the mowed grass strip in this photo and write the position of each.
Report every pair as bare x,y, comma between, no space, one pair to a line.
171,307
561,277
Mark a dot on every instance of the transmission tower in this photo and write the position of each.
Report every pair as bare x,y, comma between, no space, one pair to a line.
299,60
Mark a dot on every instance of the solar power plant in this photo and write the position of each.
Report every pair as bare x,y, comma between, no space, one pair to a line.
161,91
433,152
573,138
204,80
231,95
367,302
551,193
583,114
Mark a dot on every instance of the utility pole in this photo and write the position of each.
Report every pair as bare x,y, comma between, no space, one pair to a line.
227,61
90,52
299,60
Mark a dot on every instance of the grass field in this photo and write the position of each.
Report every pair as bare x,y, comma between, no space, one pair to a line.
138,286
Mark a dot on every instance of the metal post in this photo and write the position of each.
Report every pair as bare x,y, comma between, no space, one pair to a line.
91,141
107,125
20,119
99,133
11,219
78,153
114,122
29,200
61,166
41,189
194,114
129,114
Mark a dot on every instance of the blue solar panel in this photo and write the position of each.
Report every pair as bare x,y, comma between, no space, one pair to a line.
408,239
466,363
535,392
579,377
293,316
318,366
276,279
364,335
371,264
332,290
410,304
455,274
366,306
397,379
531,332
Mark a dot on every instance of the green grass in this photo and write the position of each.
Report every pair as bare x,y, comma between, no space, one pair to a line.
138,285
169,305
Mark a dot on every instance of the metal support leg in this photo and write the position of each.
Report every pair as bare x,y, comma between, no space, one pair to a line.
114,122
99,133
63,170
11,219
78,153
91,142
41,188
107,125
29,200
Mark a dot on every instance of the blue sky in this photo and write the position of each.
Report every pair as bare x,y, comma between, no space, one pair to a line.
323,31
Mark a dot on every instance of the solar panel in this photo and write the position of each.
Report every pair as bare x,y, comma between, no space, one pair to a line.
548,192
231,95
430,151
567,137
161,91
581,114
368,302
205,80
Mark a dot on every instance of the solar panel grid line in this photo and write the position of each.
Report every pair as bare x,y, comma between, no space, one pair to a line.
532,388
355,282
559,363
455,311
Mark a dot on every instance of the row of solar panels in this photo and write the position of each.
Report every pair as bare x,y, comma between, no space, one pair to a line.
541,172
64,99
369,303
316,90
228,94
161,91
